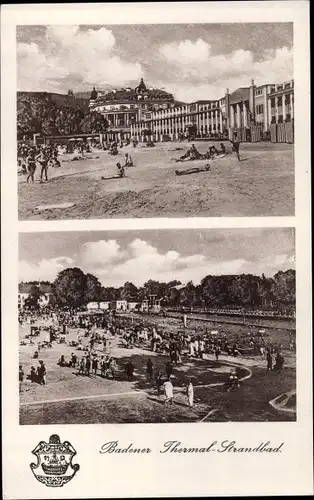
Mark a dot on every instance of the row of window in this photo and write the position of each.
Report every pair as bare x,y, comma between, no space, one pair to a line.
280,100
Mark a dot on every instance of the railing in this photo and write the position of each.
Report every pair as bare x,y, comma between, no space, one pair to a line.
235,312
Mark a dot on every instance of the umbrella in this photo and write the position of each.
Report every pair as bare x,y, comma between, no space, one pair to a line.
72,140
80,139
89,138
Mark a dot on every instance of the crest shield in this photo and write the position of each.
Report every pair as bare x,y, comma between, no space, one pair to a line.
54,462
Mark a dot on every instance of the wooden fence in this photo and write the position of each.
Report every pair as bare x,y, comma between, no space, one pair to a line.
282,132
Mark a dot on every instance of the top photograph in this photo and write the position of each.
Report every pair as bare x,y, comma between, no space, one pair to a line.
164,120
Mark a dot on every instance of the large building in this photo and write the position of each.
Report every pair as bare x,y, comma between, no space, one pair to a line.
254,106
123,108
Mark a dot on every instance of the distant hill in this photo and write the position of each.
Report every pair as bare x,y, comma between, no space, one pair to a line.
55,114
62,100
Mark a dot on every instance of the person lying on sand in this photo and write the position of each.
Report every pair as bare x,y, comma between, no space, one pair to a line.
193,170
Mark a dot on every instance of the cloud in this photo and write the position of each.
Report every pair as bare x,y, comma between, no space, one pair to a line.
140,261
85,57
99,253
204,75
45,269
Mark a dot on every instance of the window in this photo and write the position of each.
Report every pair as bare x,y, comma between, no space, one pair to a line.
279,101
260,109
273,102
288,100
258,91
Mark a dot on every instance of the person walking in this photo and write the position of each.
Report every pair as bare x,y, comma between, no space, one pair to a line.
42,373
236,145
42,159
149,369
190,393
168,391
31,166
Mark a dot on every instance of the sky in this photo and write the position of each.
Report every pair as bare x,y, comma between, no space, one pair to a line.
164,255
193,61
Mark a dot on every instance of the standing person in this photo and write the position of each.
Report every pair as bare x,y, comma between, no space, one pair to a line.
42,374
217,352
82,366
95,365
21,377
129,370
42,158
168,391
169,370
159,382
269,359
87,366
31,165
190,393
149,369
236,145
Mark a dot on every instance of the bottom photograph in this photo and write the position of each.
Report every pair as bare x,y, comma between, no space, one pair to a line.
157,326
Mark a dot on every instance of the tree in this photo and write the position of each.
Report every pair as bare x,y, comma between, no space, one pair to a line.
283,289
69,288
129,292
32,301
188,295
110,294
93,288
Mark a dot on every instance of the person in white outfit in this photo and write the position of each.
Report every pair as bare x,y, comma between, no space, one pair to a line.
190,393
168,391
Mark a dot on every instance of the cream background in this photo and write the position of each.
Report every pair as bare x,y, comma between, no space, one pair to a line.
212,474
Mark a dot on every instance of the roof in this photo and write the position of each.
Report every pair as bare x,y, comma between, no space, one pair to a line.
239,94
26,287
206,101
132,95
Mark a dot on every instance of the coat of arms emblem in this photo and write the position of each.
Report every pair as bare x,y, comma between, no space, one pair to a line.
54,462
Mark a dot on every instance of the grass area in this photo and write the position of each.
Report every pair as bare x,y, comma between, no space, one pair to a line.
262,184
122,401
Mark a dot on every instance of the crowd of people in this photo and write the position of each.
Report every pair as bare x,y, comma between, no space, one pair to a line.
193,154
44,156
29,157
92,349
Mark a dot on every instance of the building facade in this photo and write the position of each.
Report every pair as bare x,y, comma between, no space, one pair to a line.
123,108
246,107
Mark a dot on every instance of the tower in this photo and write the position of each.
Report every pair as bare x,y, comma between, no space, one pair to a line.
252,101
93,95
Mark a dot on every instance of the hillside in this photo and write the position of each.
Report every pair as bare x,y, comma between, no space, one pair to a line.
55,114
